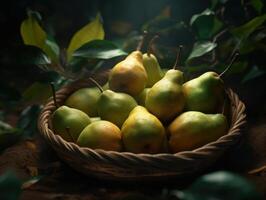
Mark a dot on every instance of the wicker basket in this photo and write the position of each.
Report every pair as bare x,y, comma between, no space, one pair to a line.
125,166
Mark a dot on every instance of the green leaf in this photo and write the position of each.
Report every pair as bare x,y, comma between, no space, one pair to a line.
92,31
244,31
31,32
51,48
28,120
30,55
220,185
253,73
34,35
201,48
38,93
99,49
205,24
10,186
257,5
8,135
238,67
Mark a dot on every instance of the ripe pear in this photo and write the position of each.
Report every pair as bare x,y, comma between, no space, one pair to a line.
101,135
152,68
69,122
115,106
85,99
129,76
205,93
142,132
194,129
165,99
151,65
141,98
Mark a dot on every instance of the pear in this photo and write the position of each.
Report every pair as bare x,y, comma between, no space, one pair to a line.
151,65
204,93
69,122
141,98
142,132
194,129
115,106
129,76
85,99
101,135
165,99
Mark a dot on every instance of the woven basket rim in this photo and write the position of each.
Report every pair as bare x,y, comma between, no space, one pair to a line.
58,142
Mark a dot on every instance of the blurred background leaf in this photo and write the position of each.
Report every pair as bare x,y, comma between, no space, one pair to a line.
99,49
10,186
27,121
205,24
92,31
8,135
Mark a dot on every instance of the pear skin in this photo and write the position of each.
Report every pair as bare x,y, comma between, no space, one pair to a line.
85,99
142,132
101,135
129,76
205,93
166,99
69,122
141,98
194,129
152,68
115,106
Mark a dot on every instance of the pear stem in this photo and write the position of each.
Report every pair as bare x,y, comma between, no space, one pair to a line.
54,96
140,45
97,84
68,132
149,50
178,57
230,64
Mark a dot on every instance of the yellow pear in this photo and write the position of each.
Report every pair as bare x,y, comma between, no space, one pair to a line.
142,132
129,76
194,129
101,135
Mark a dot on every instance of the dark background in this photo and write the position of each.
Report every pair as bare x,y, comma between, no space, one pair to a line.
122,21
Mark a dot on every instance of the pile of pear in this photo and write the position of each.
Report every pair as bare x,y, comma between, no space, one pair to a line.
142,109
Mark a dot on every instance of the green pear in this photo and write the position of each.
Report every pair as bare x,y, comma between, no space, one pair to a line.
101,135
142,132
69,122
165,99
152,68
85,99
115,106
194,129
129,76
205,93
151,65
141,98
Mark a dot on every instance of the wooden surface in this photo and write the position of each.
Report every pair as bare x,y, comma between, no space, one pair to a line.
35,157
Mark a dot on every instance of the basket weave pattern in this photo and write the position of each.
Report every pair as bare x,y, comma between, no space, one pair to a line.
129,166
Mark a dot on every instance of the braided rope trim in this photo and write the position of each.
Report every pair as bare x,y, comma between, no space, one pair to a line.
164,163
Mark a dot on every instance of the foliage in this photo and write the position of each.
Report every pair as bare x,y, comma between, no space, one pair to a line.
86,45
8,135
219,185
10,186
